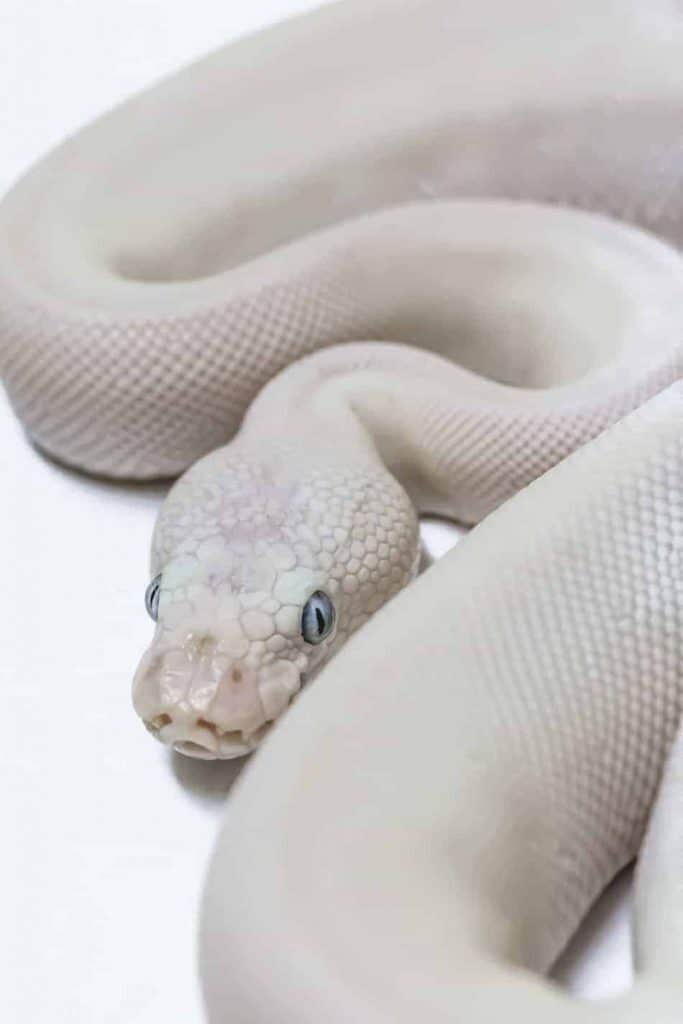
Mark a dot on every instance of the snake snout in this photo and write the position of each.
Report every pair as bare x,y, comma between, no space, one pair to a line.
207,705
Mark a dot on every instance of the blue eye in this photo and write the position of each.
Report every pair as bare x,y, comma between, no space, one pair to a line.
152,595
318,618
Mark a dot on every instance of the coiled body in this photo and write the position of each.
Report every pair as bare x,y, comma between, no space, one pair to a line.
465,776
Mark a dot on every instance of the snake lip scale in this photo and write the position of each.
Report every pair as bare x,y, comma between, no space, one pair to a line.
379,261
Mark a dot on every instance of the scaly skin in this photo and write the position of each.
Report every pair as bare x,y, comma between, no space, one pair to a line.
339,454
427,826
419,837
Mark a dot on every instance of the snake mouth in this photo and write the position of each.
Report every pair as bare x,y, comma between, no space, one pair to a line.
205,740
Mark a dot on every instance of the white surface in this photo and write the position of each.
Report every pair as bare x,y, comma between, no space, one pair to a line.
106,833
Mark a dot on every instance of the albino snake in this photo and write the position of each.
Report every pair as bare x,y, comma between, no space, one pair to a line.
424,830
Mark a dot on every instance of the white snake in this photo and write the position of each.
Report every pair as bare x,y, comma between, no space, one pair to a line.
425,829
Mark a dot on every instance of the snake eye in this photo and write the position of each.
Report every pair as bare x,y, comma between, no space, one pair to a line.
152,595
318,618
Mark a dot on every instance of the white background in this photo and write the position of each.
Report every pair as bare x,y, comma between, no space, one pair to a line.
106,834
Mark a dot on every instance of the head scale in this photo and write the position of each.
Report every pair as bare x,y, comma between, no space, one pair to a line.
257,580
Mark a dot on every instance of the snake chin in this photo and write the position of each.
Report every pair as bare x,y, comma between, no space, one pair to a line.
205,740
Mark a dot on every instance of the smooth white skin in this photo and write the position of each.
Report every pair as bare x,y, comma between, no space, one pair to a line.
436,815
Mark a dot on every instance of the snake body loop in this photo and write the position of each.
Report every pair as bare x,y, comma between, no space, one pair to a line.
331,276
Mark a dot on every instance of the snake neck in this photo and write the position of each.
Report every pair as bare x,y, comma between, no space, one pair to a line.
459,444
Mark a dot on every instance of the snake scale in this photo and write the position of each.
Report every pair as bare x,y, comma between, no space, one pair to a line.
382,260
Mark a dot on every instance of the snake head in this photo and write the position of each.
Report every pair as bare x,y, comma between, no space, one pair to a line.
223,666
225,662
258,581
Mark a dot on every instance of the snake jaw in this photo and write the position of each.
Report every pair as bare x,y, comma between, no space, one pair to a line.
205,740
